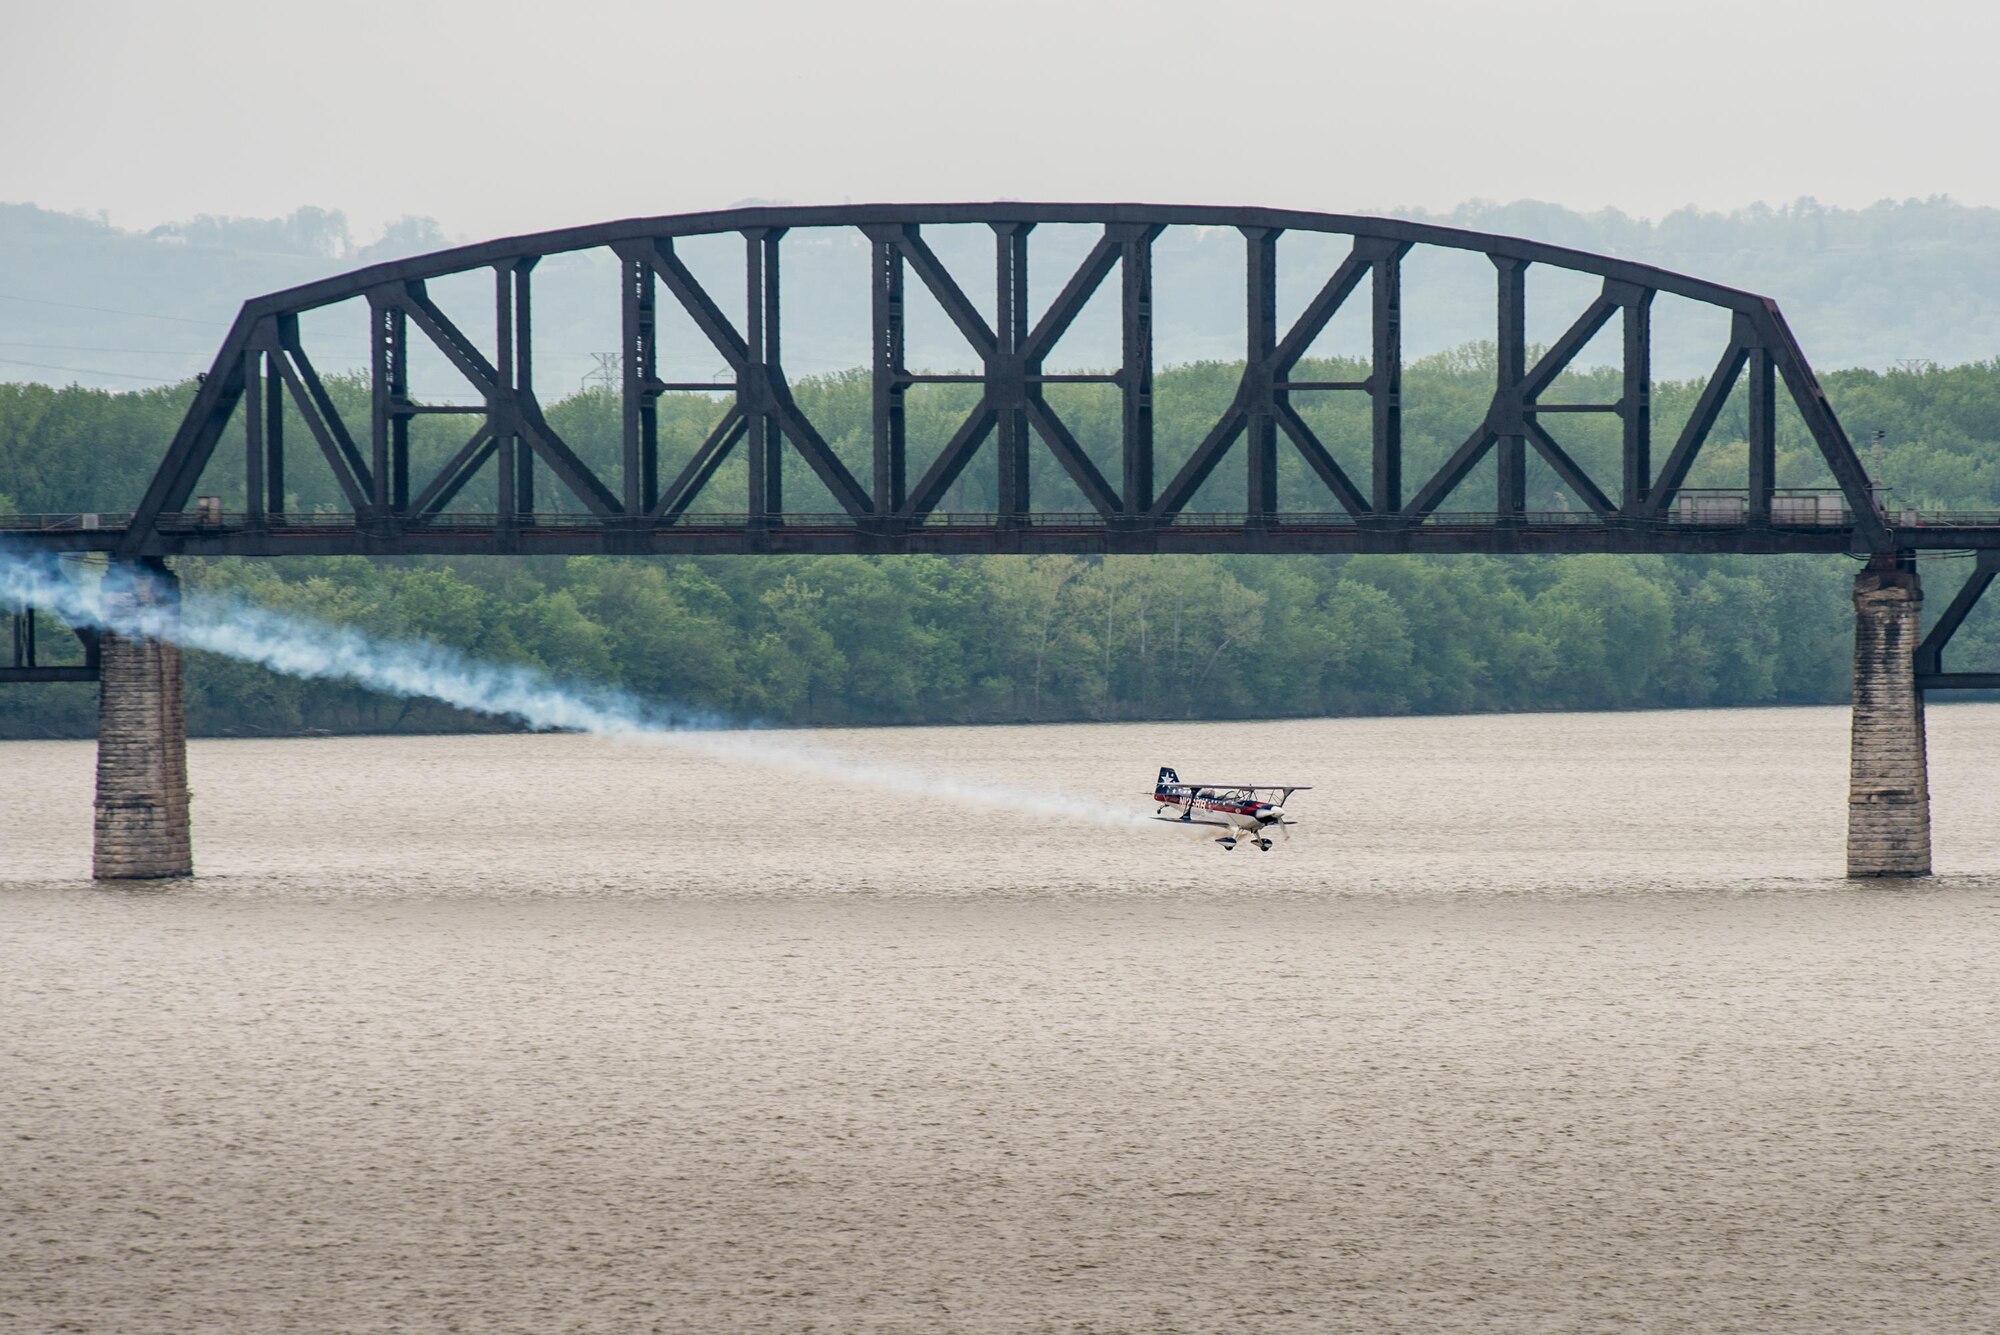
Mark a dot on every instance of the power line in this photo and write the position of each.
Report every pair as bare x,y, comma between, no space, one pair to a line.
77,347
112,310
91,370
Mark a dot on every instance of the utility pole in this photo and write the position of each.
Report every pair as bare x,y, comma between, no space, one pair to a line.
607,371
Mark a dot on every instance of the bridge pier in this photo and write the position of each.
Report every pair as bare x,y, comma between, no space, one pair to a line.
1888,795
142,792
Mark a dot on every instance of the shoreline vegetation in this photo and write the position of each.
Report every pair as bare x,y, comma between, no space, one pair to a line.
841,641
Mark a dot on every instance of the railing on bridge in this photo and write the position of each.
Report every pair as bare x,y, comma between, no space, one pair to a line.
1801,508
1696,510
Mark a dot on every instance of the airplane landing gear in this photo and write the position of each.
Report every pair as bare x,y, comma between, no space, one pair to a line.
1228,843
1264,844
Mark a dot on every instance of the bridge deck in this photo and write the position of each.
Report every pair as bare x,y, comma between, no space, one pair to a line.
1086,534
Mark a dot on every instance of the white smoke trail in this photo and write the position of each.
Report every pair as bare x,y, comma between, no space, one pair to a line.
303,647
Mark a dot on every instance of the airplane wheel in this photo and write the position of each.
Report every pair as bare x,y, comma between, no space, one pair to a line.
1264,844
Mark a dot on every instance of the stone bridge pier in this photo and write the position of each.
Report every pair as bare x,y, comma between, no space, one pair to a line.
142,791
1889,793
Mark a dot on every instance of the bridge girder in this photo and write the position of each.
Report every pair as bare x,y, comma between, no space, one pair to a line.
628,505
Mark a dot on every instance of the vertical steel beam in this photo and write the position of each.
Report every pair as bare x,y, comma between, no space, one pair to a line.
1763,432
751,392
889,383
524,485
641,358
274,435
766,450
389,395
506,424
1135,372
380,409
1010,259
1261,340
1511,453
524,378
253,437
1635,404
1385,382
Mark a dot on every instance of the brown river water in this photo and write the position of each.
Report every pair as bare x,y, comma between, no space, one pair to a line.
1536,1024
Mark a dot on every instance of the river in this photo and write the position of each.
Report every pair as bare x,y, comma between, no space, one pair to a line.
1537,1023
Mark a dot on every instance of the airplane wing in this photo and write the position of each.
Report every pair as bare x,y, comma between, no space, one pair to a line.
1196,820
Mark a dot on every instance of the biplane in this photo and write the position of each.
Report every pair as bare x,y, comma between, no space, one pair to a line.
1247,810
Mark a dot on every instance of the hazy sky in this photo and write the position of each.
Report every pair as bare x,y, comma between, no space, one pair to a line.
511,115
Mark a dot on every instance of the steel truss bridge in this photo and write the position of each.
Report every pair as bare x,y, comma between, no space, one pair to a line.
396,505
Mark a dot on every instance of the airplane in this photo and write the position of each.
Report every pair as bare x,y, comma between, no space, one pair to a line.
1233,806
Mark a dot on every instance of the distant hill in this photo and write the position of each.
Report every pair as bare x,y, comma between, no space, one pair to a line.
82,301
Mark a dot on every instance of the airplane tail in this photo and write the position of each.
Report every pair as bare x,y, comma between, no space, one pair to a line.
1167,779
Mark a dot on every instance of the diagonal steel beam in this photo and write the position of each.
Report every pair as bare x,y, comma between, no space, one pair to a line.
1566,469
1260,404
708,456
1508,421
949,294
1322,462
194,440
951,460
1321,309
1177,493
563,461
1930,654
1695,433
1827,432
1070,454
457,471
358,488
1024,351
329,419
1564,350
1462,461
694,299
1069,303
450,340
812,447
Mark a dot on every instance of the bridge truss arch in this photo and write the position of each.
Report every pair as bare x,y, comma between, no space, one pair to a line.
632,505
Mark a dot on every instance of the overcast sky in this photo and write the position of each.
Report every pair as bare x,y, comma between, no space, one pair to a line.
514,115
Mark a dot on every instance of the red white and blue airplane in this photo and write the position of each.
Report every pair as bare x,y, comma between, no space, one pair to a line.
1239,808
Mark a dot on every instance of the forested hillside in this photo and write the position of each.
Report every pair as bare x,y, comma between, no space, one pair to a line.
995,639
